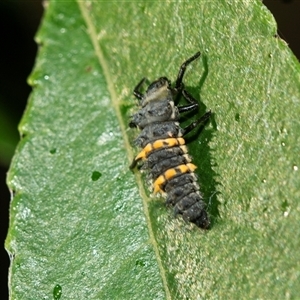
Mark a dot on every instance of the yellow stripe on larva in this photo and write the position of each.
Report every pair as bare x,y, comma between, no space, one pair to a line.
191,167
169,174
157,183
159,144
143,154
170,142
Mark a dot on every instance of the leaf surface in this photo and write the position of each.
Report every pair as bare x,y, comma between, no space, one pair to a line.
82,226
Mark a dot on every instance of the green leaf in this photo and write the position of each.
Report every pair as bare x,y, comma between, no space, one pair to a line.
84,227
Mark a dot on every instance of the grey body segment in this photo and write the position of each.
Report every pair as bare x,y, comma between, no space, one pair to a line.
163,154
186,203
158,131
181,191
197,212
179,181
166,164
156,111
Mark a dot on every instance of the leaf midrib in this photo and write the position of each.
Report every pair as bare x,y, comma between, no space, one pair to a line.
93,36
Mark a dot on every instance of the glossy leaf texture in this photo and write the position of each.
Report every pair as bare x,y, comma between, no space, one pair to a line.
82,226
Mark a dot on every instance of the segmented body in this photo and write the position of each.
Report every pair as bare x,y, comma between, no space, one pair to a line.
164,152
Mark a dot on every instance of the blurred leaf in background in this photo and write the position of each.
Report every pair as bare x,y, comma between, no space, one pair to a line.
18,50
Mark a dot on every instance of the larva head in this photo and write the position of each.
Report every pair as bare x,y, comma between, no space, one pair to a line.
158,90
157,84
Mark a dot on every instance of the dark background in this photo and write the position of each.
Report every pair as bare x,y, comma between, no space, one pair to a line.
19,21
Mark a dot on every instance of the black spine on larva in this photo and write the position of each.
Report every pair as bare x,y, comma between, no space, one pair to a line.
157,120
